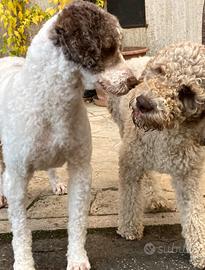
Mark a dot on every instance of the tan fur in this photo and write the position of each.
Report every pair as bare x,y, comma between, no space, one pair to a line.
167,139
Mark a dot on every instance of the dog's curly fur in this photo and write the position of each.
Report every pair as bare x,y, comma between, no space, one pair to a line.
43,121
100,39
167,109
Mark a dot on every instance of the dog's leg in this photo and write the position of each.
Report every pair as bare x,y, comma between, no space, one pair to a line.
3,201
57,187
155,201
189,200
15,185
79,201
131,197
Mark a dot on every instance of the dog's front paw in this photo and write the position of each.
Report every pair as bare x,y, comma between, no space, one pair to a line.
131,232
197,254
78,265
198,259
194,234
23,266
3,202
60,189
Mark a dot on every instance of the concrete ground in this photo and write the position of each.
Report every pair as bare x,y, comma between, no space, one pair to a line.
161,249
48,212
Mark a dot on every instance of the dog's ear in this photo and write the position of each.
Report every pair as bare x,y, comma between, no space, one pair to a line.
152,70
87,34
78,42
192,97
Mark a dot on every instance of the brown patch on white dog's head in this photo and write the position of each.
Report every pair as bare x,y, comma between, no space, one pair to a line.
88,35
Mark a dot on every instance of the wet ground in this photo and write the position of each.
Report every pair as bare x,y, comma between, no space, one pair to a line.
162,248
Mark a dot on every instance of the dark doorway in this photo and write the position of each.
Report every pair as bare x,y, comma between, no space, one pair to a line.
131,13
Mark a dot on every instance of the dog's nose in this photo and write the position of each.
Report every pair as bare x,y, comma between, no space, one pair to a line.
144,104
132,82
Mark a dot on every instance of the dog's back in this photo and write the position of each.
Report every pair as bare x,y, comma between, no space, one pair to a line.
9,65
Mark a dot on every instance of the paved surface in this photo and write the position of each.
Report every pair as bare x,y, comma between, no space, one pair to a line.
49,212
161,249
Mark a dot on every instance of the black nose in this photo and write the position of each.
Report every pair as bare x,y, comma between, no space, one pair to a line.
132,82
144,104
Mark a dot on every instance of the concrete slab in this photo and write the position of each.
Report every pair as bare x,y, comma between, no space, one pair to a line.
105,203
49,212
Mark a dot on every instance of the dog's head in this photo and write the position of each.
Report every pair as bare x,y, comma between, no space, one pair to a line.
173,88
91,38
158,105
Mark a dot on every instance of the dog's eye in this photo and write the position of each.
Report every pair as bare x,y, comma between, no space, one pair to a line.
159,70
187,97
108,52
186,92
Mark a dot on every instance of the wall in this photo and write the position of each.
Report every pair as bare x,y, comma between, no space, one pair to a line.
168,21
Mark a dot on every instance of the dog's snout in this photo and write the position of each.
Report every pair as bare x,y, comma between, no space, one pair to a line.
132,82
144,104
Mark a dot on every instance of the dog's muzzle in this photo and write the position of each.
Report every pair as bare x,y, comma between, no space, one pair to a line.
144,104
142,107
132,82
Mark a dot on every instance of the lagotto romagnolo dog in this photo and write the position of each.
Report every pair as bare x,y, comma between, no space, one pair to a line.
168,111
10,65
43,121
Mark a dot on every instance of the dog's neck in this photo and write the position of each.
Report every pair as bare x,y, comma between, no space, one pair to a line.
46,65
196,129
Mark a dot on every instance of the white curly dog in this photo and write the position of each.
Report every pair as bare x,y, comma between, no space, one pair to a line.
8,65
43,120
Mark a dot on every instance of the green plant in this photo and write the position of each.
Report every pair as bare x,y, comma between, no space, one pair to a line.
17,17
100,3
60,3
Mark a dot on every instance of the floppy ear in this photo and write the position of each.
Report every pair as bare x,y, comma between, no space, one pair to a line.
193,98
87,34
76,32
77,40
149,72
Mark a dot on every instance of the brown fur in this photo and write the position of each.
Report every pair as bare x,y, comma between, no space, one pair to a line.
88,35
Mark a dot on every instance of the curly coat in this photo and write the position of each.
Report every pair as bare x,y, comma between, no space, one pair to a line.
100,39
43,120
168,111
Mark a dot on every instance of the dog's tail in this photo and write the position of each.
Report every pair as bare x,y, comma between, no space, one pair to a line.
10,65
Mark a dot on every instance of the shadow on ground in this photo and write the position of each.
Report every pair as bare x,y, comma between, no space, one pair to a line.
162,248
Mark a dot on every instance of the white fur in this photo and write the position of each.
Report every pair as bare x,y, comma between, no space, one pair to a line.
8,67
43,124
138,64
